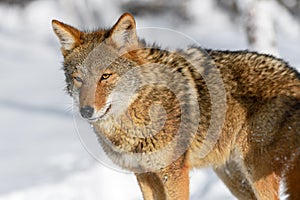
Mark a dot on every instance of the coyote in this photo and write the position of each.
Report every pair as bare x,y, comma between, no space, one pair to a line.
160,113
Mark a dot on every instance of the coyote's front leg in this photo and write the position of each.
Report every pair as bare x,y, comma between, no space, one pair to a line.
170,183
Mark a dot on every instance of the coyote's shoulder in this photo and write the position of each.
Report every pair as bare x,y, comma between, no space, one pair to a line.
161,113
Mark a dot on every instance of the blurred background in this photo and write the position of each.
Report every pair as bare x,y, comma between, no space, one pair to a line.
41,155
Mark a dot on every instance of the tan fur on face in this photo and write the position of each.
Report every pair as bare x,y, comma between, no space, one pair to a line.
103,88
100,96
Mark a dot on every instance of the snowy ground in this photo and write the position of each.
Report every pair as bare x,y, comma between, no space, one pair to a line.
41,156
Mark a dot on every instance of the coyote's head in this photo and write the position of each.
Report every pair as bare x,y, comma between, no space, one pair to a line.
95,61
139,98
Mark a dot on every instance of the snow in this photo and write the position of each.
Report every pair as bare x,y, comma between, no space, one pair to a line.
42,156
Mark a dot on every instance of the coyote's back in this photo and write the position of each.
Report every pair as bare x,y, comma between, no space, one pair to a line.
161,113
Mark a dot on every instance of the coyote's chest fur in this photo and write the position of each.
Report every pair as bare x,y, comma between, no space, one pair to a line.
160,113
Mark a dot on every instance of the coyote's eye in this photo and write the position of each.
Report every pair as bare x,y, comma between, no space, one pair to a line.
105,76
78,79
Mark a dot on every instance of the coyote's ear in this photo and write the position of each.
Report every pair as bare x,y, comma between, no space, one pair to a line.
123,33
68,36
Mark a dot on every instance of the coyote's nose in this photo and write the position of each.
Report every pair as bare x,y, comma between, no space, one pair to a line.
87,111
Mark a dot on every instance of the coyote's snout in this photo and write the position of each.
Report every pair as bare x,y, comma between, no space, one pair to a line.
161,113
87,112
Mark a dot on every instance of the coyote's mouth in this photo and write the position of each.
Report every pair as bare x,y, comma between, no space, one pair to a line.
101,116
